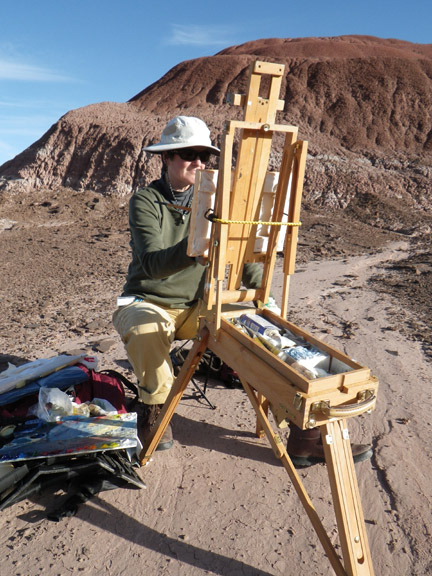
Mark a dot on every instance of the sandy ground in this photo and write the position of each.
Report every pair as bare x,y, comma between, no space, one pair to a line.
218,502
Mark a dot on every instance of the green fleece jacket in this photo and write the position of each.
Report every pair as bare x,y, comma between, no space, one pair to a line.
160,270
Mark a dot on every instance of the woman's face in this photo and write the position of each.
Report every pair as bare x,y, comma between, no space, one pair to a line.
181,173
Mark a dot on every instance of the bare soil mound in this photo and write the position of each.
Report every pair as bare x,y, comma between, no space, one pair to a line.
363,103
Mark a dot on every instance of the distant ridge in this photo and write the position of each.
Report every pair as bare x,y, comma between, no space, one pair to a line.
363,103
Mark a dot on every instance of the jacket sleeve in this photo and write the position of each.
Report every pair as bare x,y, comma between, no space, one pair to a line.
160,254
252,275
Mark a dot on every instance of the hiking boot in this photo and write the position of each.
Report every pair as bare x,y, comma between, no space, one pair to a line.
146,422
305,448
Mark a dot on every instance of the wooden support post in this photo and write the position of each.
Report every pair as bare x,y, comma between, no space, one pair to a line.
346,499
299,162
281,453
288,156
263,403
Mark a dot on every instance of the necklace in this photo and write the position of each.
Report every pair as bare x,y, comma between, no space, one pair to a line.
181,200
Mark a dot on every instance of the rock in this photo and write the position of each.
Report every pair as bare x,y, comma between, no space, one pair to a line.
104,345
6,224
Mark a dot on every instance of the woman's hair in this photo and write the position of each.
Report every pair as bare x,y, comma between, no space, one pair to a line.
164,155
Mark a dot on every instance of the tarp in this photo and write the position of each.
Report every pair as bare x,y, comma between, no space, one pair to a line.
19,376
62,379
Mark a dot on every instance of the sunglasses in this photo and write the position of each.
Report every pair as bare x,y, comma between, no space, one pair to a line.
190,155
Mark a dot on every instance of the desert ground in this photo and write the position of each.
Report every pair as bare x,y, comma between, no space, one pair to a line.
219,502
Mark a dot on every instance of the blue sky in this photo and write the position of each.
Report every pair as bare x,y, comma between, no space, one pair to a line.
58,55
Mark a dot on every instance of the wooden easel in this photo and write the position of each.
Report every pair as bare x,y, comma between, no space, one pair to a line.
270,383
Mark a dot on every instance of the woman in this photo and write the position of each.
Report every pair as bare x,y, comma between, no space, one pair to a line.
160,300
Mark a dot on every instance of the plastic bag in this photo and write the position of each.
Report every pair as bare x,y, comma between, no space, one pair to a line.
52,405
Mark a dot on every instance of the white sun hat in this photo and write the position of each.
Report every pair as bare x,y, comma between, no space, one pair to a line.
183,132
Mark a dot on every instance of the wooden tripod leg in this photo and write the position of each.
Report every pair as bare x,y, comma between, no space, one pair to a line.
281,453
175,395
263,402
346,499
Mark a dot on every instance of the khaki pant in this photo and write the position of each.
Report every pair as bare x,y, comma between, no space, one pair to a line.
147,332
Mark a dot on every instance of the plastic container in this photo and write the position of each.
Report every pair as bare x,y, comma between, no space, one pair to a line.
258,325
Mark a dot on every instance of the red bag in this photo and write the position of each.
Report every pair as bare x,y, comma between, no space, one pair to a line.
108,385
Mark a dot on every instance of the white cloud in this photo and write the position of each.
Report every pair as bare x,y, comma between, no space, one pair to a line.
200,35
17,103
13,104
20,71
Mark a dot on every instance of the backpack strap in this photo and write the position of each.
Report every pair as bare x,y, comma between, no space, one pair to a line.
127,383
